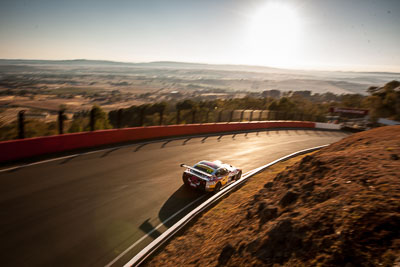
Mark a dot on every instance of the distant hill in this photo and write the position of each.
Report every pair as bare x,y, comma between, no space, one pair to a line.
253,78
186,65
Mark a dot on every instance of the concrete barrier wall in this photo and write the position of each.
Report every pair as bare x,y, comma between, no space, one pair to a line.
328,126
30,147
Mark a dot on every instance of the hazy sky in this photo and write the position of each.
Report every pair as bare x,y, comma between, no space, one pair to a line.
312,34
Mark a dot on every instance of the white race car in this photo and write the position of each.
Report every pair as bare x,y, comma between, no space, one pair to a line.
210,176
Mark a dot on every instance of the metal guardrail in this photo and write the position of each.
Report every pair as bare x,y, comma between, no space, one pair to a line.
164,237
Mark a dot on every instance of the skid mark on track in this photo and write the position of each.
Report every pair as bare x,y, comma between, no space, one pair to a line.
139,147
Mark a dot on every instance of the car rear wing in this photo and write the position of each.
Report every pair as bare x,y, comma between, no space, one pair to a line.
196,170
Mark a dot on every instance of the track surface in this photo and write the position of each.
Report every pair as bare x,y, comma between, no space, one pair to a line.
88,209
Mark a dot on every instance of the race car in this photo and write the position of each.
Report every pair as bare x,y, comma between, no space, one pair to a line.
210,176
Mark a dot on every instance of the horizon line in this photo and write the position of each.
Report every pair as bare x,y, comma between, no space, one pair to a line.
204,63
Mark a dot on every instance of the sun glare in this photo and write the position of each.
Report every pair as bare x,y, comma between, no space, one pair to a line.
273,35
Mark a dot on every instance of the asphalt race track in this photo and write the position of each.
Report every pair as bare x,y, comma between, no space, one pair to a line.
85,210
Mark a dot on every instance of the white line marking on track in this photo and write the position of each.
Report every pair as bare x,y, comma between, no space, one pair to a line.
152,231
75,155
50,160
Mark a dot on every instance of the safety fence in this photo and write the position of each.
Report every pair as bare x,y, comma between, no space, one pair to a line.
24,126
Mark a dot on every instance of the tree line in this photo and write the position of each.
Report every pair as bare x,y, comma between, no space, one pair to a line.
382,102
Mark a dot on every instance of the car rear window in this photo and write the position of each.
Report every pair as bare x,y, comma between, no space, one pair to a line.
204,169
210,164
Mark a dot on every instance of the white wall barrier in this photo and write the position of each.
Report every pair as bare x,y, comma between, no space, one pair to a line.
329,126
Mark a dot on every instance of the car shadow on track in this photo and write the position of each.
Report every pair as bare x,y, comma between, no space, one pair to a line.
178,201
148,228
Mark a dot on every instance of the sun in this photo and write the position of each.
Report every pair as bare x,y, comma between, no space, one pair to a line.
273,34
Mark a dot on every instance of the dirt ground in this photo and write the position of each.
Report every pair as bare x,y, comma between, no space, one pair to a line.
339,206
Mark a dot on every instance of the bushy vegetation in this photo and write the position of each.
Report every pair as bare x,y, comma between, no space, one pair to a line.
383,102
33,128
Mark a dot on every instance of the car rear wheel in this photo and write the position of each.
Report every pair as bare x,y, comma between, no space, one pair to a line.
237,177
217,188
185,181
